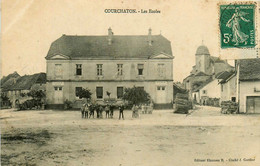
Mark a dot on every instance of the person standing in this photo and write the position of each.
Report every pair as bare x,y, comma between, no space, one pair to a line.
86,110
100,111
97,110
91,110
107,111
111,110
121,111
82,109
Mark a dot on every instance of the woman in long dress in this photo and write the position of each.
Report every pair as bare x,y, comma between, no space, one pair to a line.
238,35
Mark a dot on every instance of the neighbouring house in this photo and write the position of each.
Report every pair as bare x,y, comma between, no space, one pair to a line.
228,86
16,88
109,63
206,67
217,88
249,85
243,86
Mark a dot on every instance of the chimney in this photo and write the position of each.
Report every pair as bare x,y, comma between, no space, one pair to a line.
110,34
150,37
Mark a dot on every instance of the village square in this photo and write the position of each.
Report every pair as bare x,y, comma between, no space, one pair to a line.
133,115
113,100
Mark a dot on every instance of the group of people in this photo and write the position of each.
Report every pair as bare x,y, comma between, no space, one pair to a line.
88,110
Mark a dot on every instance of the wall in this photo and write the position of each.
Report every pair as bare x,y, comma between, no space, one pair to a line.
247,89
109,80
110,86
229,89
130,71
213,90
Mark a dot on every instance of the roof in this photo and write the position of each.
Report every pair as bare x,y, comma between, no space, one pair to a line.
202,50
97,47
224,76
10,76
201,74
27,81
249,69
203,84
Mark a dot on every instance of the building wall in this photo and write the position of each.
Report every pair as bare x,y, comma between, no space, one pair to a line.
212,90
228,89
150,79
130,71
69,89
247,88
203,64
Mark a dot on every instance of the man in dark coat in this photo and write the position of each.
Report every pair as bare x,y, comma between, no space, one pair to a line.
121,111
111,110
97,110
91,110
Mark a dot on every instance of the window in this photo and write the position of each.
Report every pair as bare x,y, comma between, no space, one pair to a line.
233,99
58,70
99,70
78,69
120,92
58,88
140,68
77,90
161,70
222,87
119,69
204,92
160,87
99,92
140,87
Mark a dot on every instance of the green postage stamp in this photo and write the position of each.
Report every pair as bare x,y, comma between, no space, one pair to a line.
237,25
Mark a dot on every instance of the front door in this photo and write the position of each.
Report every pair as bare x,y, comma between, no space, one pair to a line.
58,95
253,104
161,95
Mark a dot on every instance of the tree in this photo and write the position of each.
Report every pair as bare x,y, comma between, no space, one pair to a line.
37,94
136,95
84,93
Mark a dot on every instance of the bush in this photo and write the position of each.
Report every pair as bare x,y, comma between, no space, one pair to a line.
136,96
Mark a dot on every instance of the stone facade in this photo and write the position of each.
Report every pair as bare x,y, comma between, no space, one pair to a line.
147,65
249,97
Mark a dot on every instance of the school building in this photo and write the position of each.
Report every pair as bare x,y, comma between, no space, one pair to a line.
108,64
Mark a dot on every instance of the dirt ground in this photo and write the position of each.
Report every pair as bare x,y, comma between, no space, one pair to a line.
48,137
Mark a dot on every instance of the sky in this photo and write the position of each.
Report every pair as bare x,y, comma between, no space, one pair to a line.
30,26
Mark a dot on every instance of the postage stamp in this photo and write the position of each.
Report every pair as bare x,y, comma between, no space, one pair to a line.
237,25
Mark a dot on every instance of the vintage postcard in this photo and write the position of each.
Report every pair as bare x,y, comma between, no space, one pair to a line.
130,83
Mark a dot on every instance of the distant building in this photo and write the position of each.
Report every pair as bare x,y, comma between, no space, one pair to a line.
206,68
14,85
109,64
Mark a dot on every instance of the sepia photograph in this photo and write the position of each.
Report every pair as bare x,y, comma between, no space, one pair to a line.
130,83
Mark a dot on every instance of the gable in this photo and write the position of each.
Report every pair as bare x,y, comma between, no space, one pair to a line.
58,56
162,55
